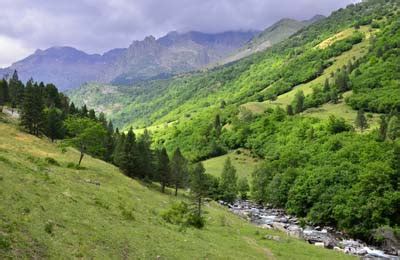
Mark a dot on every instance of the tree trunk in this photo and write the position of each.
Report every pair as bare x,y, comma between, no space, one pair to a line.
163,187
176,190
80,158
199,207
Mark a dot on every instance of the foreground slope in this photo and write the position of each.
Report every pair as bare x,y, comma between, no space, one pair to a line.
50,209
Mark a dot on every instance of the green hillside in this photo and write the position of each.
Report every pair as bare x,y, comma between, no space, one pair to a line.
322,110
50,209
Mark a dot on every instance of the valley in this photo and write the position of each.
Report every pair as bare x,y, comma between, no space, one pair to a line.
243,144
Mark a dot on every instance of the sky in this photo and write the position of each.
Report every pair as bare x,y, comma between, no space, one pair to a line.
96,26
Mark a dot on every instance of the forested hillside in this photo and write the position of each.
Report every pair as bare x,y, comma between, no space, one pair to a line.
315,117
322,109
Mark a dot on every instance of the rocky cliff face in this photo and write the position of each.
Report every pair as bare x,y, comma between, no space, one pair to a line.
151,58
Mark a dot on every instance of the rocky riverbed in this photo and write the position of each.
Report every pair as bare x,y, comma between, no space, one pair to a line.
326,237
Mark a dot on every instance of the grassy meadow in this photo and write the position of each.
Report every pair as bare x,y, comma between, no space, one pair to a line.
52,209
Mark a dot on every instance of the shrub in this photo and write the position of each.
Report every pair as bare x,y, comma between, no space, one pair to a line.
49,227
180,214
52,161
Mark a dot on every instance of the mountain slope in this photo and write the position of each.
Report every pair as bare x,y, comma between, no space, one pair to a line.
174,53
274,34
50,209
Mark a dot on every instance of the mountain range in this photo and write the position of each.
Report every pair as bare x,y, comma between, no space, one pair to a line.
150,58
176,52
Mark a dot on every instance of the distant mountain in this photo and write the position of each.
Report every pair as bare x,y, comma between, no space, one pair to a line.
276,33
65,66
151,58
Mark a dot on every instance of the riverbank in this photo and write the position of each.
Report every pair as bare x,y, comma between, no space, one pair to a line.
326,237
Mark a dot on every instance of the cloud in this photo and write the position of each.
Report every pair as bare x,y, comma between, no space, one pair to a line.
99,25
12,50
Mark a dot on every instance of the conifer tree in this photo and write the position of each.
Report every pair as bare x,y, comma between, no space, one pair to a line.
32,117
228,182
299,102
163,168
92,114
102,119
327,87
51,96
178,167
128,162
54,125
217,125
16,90
119,148
72,109
109,141
334,96
3,92
145,156
361,120
84,111
289,110
393,131
198,186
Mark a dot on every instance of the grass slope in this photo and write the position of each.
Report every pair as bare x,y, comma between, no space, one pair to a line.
241,159
50,210
341,109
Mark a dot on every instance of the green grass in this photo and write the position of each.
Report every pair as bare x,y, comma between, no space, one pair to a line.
50,209
341,110
283,100
241,159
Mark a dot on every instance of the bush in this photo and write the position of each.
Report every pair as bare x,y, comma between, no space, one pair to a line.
49,227
180,214
52,161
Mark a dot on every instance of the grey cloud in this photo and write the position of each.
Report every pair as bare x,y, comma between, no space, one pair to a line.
98,25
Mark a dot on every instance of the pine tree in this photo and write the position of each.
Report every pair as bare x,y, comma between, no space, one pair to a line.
54,125
163,168
109,141
217,125
361,120
198,186
32,117
3,92
16,90
334,96
72,109
51,96
119,148
102,119
299,102
228,182
289,110
393,131
178,167
128,162
145,156
342,81
327,87
84,111
92,114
